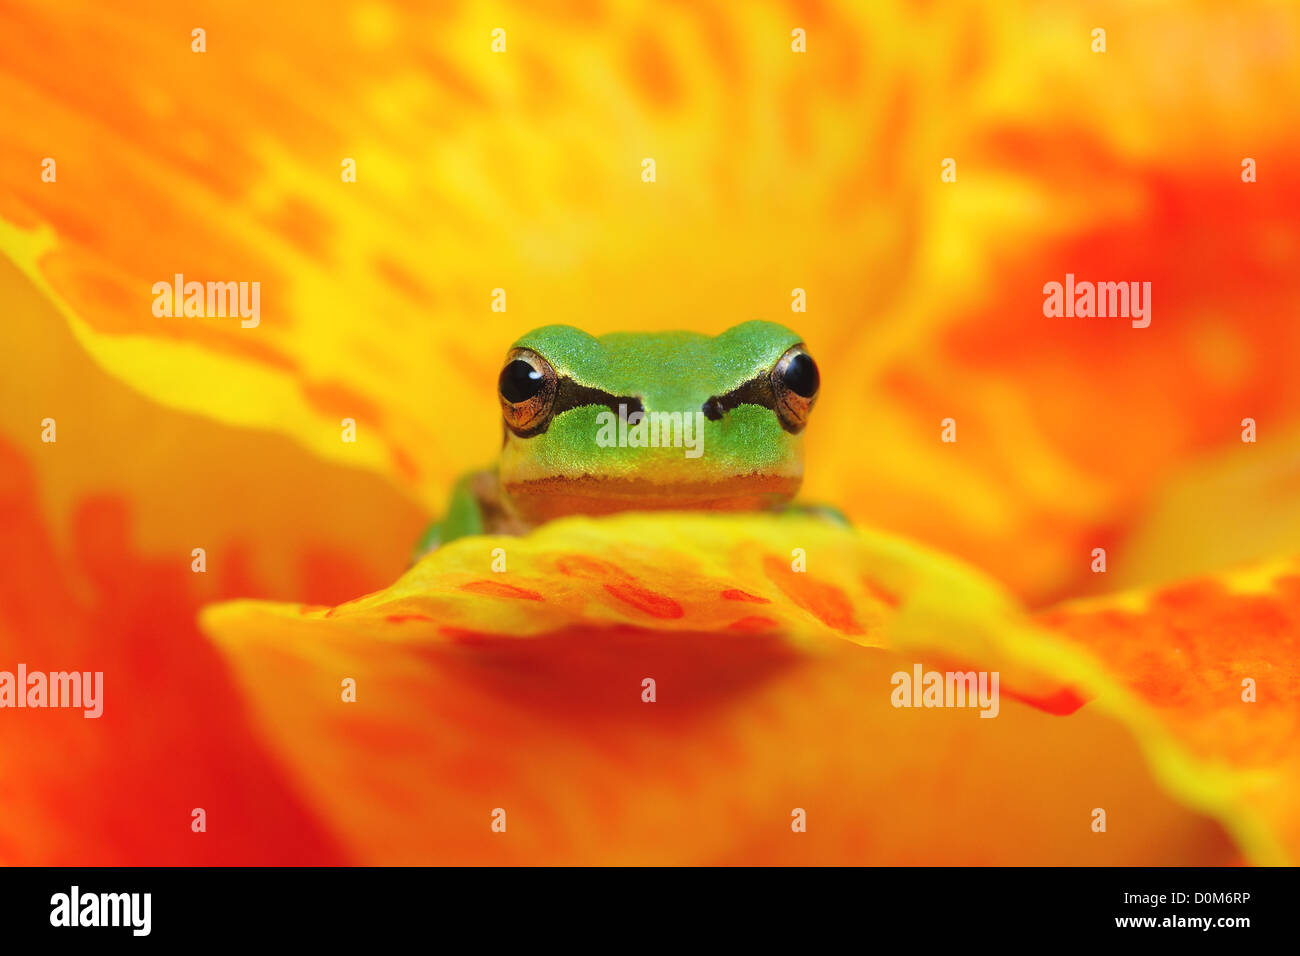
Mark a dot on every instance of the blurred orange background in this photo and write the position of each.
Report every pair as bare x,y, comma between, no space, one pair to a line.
521,170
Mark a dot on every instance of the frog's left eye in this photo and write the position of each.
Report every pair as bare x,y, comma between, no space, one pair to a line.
795,383
526,388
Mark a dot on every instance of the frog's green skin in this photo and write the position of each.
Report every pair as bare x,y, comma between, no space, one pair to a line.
751,453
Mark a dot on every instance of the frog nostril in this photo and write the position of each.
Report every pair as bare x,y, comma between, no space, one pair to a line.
713,409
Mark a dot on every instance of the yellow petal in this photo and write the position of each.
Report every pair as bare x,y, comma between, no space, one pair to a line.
522,691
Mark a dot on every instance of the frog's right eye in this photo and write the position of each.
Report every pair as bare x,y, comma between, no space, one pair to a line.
526,388
795,383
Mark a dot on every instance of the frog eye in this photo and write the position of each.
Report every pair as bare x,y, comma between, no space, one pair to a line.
795,381
526,389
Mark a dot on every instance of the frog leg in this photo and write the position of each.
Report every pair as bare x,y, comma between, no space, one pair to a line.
463,516
474,507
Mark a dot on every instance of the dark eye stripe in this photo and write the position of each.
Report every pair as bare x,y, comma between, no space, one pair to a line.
573,395
798,375
570,395
757,391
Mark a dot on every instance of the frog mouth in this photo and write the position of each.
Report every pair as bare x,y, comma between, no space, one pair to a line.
544,499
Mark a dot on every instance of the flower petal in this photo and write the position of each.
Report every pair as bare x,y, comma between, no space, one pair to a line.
522,691
97,536
479,171
1215,663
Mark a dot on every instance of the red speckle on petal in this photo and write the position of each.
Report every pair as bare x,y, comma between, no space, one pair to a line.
656,605
735,594
748,625
888,598
500,589
824,601
590,569
1061,703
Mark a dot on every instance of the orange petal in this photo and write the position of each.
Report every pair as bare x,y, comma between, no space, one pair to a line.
1215,665
97,531
522,691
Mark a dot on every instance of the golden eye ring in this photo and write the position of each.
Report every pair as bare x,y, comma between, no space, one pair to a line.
795,384
526,388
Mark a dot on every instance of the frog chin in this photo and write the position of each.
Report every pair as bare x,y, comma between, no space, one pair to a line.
544,499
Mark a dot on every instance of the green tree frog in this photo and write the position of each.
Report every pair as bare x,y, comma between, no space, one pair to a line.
638,422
